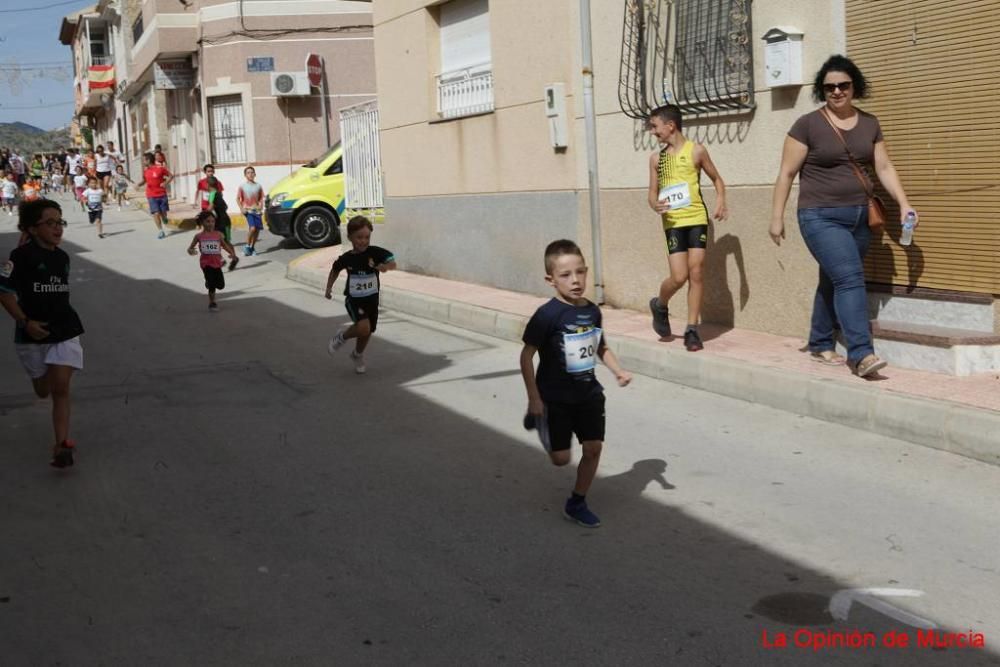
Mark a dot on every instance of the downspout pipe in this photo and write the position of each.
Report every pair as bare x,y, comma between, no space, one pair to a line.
590,127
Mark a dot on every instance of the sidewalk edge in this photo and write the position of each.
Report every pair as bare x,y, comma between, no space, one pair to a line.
950,427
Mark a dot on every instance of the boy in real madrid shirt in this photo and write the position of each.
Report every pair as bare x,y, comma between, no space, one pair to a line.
363,262
564,396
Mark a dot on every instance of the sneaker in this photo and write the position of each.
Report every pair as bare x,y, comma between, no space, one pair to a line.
161,235
359,363
253,251
580,513
233,262
692,341
63,456
336,343
213,307
661,325
247,251
100,236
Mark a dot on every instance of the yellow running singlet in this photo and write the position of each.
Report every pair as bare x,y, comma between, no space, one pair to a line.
678,179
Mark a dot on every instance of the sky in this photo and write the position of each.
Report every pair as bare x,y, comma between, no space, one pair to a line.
31,38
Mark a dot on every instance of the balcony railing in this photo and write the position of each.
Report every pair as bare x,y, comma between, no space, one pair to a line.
102,60
465,93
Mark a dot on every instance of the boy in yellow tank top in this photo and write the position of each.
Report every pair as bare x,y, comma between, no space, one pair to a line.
675,193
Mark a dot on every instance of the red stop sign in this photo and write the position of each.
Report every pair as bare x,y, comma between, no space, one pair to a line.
314,68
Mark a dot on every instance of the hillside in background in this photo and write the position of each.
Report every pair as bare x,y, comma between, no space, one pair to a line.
30,139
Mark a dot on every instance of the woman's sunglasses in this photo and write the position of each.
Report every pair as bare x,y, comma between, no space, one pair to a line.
843,86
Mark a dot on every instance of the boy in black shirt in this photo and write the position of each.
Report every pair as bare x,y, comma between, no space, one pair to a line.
363,262
564,396
34,289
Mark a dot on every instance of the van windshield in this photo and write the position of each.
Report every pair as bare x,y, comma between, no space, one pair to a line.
316,162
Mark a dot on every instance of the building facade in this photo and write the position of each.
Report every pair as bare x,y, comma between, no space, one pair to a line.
479,179
202,79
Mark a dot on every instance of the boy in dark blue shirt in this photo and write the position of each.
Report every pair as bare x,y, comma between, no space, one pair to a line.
564,396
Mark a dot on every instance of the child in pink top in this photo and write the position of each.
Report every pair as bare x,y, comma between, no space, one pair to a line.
210,243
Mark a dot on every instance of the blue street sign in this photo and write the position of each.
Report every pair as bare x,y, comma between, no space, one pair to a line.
260,64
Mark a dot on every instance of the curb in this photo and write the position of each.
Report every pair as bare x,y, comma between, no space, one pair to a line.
950,427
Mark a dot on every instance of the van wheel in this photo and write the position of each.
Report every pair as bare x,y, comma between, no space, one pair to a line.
316,227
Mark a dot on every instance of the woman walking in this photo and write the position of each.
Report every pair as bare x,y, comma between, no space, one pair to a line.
822,148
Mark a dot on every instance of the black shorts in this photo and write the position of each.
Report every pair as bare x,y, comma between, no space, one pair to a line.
94,216
681,239
365,308
101,175
562,420
214,278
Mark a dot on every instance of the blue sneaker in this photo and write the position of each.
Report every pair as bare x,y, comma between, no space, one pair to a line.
247,251
161,235
580,513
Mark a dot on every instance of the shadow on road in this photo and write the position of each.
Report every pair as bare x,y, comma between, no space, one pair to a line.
241,500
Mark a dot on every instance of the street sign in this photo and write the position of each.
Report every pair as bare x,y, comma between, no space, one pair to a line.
260,64
314,68
173,75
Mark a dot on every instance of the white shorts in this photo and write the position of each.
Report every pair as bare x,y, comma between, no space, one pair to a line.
36,359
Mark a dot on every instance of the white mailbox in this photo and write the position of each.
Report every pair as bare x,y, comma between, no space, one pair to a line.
783,56
555,113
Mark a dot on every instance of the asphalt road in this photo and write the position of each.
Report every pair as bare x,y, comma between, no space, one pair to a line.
241,498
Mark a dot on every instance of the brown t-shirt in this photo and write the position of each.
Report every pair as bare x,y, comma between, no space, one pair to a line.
827,177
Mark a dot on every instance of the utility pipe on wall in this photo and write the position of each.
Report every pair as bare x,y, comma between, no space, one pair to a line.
590,126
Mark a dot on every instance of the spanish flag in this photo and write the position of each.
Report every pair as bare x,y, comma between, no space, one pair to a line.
102,76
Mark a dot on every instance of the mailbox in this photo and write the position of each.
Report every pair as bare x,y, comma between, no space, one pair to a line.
783,56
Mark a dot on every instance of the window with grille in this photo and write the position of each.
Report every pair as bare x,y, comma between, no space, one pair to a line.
693,53
227,129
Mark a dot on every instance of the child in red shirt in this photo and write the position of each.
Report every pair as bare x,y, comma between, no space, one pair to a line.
210,244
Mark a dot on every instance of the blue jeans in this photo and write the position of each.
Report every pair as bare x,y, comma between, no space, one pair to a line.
838,238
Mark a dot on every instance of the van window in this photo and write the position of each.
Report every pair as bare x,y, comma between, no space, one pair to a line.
336,168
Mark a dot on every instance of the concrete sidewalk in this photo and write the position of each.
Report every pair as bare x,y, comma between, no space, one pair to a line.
955,414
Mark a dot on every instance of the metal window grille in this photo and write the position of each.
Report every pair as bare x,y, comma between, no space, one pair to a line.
228,129
696,54
465,93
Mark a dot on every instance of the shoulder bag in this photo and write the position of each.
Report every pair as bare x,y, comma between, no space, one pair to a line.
876,207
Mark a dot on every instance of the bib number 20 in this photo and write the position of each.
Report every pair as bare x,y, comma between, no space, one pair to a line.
581,350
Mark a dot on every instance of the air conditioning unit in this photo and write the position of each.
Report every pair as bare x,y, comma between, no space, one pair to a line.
289,84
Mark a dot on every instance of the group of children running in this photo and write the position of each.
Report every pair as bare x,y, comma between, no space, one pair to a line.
564,396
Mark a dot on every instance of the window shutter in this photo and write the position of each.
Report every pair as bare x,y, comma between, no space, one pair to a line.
465,36
935,90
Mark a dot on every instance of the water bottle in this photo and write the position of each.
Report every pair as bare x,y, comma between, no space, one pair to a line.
909,222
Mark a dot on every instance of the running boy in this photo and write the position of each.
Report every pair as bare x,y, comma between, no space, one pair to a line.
675,193
248,197
94,198
564,396
34,290
8,188
156,179
121,183
363,262
211,243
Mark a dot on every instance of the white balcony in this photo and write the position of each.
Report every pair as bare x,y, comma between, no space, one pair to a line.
466,92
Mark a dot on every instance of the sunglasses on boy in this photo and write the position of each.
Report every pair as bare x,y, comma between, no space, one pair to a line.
52,223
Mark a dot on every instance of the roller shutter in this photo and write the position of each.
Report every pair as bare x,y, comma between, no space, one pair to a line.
933,70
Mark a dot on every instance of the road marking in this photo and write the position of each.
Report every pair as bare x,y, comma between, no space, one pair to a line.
840,604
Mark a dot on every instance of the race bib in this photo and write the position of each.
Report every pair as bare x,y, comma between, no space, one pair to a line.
580,350
362,284
211,247
676,196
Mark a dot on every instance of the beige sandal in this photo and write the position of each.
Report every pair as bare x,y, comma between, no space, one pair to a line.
827,357
869,366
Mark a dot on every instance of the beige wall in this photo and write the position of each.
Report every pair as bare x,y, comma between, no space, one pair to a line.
751,283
